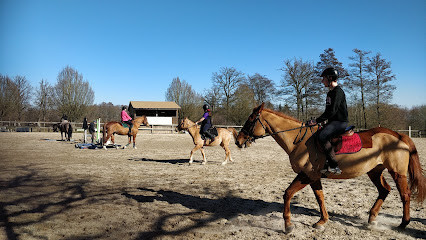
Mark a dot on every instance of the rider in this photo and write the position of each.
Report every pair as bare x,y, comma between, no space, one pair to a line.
206,122
335,116
125,118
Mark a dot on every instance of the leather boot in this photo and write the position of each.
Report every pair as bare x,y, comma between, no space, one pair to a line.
330,165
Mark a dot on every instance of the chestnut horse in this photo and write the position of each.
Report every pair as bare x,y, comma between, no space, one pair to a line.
223,138
390,150
111,128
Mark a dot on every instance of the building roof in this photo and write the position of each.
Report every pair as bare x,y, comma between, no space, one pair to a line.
154,105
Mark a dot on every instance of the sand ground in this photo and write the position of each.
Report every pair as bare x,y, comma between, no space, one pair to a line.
52,190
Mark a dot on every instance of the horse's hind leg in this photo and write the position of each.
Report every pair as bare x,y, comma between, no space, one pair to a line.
405,193
376,176
227,153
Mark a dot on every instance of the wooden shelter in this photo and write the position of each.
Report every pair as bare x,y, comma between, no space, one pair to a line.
158,113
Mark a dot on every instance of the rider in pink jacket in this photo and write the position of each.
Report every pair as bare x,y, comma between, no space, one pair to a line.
125,118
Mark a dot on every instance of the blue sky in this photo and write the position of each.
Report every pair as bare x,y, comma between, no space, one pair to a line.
131,50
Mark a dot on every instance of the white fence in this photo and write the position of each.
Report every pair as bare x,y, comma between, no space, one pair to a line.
15,126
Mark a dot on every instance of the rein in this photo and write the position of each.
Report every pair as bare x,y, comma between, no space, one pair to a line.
250,134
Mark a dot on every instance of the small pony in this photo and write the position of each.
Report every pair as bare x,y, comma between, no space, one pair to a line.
113,127
223,139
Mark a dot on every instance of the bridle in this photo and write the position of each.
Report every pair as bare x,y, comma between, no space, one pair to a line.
248,129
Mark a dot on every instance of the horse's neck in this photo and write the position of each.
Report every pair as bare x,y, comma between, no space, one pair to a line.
192,129
138,121
278,123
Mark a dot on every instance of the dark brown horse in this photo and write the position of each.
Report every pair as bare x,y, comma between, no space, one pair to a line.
65,127
111,128
389,150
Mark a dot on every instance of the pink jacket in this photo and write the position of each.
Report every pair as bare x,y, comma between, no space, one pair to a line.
125,117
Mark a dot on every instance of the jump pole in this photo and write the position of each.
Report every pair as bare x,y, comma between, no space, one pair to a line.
98,129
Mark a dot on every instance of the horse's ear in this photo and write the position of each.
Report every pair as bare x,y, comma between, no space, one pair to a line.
259,109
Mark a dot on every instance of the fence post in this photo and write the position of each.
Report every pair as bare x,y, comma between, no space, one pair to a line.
409,131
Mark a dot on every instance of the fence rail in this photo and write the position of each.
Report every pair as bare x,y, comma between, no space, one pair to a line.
17,126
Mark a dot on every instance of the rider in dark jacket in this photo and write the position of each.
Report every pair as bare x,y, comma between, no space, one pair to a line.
335,116
206,122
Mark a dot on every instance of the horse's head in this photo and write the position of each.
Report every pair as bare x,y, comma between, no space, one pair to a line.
183,125
55,127
143,120
252,129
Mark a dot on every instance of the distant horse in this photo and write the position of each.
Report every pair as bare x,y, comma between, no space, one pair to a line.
389,149
65,127
111,128
223,138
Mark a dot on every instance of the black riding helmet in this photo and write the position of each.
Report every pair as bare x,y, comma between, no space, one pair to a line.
331,72
205,107
124,108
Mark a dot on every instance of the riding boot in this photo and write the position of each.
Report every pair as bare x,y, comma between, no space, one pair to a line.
130,132
209,135
330,165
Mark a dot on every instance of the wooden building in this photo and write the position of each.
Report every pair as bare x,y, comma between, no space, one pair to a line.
158,113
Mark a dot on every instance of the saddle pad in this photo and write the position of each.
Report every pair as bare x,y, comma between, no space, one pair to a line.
125,125
350,144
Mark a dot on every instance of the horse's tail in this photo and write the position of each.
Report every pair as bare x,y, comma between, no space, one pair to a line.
417,180
104,132
234,132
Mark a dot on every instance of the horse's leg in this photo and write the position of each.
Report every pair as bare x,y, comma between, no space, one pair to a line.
204,156
134,141
227,153
298,183
404,192
192,153
376,176
317,188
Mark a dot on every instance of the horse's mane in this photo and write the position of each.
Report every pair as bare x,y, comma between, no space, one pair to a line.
281,114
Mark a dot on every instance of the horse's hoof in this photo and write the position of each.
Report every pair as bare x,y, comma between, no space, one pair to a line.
289,229
135,148
104,147
319,227
124,147
203,163
224,163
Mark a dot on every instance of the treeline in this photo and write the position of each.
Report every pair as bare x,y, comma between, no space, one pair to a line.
367,82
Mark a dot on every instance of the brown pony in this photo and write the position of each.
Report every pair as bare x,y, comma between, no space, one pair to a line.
111,128
223,138
389,150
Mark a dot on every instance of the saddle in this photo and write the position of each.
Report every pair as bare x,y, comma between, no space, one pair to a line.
212,131
345,143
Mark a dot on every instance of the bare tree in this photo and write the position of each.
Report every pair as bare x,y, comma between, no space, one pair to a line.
381,71
262,87
72,95
182,94
7,87
22,95
359,77
44,99
297,76
227,80
243,104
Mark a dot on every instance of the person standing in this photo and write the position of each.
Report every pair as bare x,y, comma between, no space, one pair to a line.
85,127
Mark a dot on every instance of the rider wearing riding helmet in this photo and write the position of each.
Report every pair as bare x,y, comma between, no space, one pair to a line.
335,117
206,122
125,118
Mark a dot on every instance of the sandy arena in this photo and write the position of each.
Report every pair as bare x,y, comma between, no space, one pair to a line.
52,190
